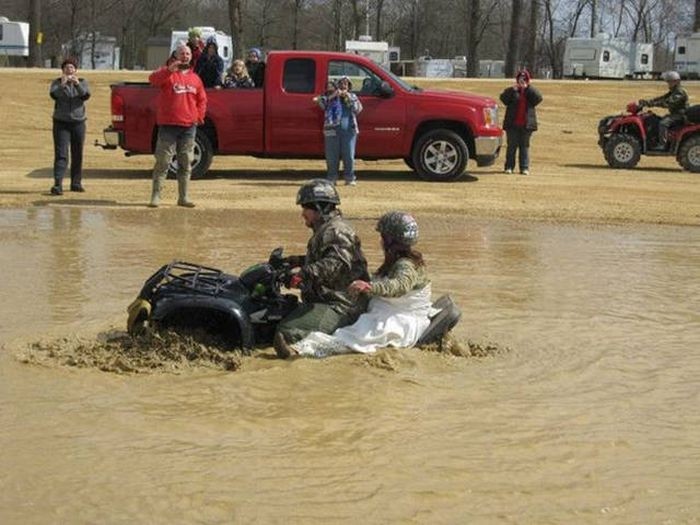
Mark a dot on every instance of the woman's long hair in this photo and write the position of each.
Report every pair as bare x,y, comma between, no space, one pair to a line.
393,251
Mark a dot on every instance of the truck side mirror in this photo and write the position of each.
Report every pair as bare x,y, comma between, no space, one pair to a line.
385,90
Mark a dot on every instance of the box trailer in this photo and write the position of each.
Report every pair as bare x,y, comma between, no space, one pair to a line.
14,38
607,57
377,51
686,58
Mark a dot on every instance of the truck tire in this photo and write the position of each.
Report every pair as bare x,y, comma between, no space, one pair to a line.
440,155
409,163
689,154
622,151
203,155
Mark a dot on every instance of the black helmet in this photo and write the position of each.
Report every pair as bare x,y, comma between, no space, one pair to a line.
399,227
317,191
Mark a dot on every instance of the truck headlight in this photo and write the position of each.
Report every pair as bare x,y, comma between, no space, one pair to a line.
491,116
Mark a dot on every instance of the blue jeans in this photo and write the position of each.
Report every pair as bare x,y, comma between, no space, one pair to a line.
518,138
340,144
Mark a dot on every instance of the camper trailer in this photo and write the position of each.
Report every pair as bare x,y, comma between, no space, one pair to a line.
686,59
365,46
223,41
492,68
607,57
94,51
14,38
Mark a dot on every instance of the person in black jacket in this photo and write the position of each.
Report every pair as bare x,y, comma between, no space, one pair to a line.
69,94
256,66
210,66
520,120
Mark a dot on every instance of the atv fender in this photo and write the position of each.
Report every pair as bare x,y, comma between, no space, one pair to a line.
233,311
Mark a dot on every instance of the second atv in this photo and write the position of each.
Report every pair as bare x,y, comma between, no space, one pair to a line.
624,138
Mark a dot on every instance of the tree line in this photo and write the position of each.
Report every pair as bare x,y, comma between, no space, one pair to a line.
528,33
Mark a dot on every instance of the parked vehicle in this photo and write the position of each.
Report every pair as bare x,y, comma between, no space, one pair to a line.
625,137
14,38
607,57
244,310
435,132
686,58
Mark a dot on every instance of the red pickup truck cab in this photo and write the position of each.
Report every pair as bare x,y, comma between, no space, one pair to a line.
435,132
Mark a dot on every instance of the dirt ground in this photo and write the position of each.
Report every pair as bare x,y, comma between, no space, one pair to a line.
570,180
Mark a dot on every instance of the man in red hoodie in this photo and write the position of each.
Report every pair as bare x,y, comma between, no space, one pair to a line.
520,120
182,103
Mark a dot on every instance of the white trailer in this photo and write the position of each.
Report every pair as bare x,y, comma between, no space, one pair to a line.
607,57
14,38
94,51
492,68
223,41
377,51
686,59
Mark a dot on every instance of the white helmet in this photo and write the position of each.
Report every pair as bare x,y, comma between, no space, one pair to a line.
670,76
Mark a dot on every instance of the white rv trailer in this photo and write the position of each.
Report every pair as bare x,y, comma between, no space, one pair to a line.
94,51
377,51
607,57
492,68
14,38
686,59
223,41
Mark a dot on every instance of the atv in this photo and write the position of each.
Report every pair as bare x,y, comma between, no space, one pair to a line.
243,310
624,138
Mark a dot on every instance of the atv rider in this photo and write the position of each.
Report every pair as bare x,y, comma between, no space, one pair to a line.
676,100
333,260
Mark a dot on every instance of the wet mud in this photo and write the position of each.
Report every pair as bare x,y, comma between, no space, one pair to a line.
120,353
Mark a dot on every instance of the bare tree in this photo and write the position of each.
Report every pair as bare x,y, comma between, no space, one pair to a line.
512,55
530,59
235,8
594,17
34,31
696,23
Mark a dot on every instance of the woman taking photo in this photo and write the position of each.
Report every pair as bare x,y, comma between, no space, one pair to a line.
69,94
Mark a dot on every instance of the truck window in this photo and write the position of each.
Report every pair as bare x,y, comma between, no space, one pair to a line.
299,75
364,82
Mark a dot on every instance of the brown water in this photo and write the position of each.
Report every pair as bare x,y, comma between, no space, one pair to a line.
589,414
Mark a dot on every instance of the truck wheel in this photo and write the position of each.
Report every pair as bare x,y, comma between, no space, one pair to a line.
689,154
409,163
622,151
203,155
440,156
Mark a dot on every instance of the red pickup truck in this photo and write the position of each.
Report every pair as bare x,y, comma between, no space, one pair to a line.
435,132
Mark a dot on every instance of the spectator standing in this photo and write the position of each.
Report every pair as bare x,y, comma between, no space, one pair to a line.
340,107
182,104
69,94
520,120
256,66
237,76
195,43
210,66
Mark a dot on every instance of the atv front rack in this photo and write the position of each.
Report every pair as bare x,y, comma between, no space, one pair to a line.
190,277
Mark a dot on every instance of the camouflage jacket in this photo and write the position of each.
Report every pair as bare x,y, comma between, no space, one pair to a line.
333,260
403,277
676,100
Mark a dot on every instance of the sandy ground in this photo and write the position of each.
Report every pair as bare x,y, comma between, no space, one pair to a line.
570,180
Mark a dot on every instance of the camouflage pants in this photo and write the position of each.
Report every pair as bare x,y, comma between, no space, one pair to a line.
313,317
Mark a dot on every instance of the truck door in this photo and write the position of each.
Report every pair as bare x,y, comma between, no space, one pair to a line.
293,121
382,120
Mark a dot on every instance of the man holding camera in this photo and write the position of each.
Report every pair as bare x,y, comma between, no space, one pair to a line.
182,104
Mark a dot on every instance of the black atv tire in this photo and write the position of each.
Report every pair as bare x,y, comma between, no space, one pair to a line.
203,155
440,155
689,154
622,151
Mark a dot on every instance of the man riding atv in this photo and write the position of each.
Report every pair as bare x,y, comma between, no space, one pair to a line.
333,260
675,100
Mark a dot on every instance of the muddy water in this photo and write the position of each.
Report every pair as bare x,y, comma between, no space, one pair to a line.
590,413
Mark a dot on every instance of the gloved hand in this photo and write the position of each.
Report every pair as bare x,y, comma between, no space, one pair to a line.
293,279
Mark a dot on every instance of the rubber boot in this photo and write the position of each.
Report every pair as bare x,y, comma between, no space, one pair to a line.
155,194
183,182
57,188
